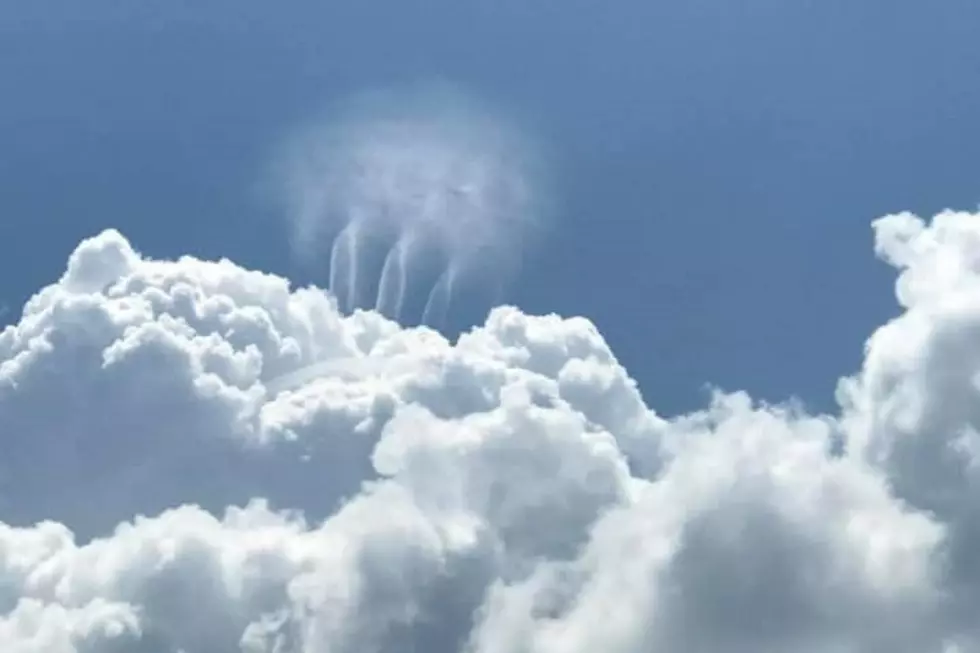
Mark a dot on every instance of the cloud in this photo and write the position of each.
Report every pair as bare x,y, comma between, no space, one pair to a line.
200,458
412,193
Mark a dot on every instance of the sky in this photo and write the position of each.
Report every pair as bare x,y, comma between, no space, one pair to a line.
707,158
726,400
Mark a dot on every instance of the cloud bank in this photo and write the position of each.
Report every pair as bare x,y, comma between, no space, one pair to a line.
507,493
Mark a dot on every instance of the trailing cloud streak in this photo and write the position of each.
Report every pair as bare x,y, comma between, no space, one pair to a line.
509,493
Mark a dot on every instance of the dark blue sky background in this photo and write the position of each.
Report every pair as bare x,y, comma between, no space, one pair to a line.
718,163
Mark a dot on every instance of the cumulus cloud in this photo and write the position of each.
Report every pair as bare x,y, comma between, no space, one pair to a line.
199,458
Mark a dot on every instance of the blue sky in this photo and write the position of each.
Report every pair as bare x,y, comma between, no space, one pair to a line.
717,164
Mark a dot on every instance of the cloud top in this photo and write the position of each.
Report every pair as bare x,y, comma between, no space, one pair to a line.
428,165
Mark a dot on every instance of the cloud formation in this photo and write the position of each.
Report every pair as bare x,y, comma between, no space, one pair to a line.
411,192
162,490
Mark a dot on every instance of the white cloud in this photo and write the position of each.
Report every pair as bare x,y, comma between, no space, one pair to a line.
172,482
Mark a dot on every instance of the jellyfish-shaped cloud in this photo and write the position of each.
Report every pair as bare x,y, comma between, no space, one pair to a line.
406,193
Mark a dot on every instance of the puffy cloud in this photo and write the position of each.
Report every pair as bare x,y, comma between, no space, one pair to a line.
200,458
